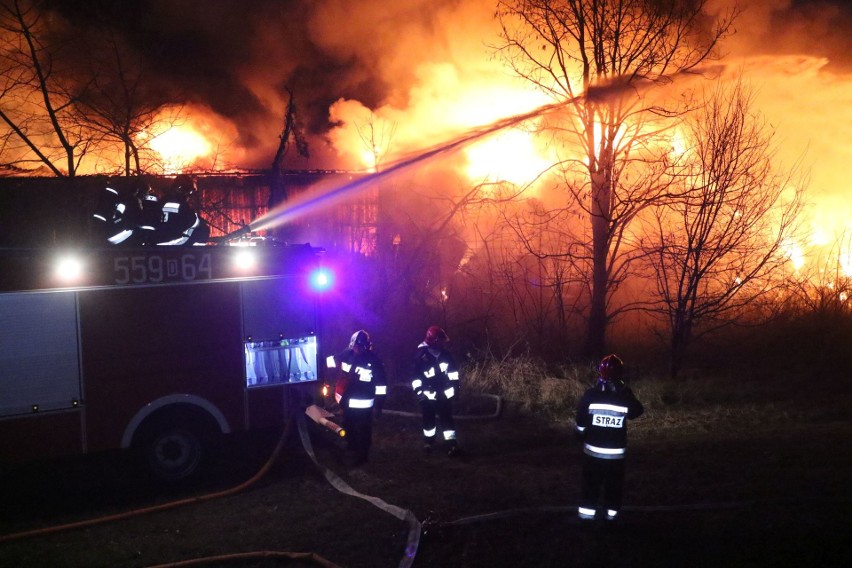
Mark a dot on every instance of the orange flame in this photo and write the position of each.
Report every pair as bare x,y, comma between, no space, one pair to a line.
179,147
509,156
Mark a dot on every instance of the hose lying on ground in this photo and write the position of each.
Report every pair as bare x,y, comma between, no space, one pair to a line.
240,556
498,408
413,541
573,509
163,506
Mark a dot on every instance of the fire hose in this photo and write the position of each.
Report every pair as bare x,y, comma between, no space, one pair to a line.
317,414
162,507
305,556
413,541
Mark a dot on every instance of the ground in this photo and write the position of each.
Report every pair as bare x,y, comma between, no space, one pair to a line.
749,485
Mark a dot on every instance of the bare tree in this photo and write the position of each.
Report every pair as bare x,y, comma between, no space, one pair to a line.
124,106
291,135
37,104
567,48
542,278
722,245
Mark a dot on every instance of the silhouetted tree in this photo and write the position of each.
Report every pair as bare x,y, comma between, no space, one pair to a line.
567,48
722,243
38,97
123,104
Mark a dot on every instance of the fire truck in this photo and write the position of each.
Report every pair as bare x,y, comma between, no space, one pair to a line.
162,350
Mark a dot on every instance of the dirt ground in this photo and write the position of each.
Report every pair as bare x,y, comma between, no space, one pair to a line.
722,494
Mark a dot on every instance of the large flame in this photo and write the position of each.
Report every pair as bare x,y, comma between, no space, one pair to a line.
511,156
191,137
179,147
435,76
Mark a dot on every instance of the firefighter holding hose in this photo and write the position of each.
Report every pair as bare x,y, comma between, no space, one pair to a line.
602,416
360,391
435,381
179,222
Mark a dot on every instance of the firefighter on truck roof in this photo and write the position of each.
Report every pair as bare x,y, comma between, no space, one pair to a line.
602,416
179,222
360,391
136,217
122,215
435,381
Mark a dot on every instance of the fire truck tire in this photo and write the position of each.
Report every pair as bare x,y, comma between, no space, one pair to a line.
173,442
174,453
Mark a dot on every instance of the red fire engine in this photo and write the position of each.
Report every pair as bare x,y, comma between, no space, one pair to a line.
160,349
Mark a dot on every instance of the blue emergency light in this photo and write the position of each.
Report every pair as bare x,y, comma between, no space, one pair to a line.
321,279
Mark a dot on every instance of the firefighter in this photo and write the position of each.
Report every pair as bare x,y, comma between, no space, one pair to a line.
150,216
145,214
360,391
122,214
435,381
109,216
179,222
601,425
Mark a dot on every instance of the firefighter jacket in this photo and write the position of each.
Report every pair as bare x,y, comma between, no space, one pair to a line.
119,214
602,416
361,381
179,223
436,375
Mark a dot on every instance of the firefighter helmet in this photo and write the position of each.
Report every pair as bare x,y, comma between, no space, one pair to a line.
360,339
184,185
611,368
142,190
436,336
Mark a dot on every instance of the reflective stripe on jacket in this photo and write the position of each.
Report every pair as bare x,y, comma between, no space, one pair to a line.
602,416
361,380
435,375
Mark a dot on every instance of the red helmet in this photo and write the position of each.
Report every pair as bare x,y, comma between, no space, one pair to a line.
436,336
360,339
611,368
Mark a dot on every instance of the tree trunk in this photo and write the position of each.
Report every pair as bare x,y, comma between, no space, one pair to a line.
680,340
596,330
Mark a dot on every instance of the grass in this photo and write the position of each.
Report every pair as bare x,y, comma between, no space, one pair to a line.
722,472
527,383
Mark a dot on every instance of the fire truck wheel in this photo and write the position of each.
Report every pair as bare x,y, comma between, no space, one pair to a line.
174,454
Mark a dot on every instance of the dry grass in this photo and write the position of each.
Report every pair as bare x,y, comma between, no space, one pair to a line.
526,383
699,403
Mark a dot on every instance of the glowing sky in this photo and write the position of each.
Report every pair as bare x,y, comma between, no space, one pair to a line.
425,66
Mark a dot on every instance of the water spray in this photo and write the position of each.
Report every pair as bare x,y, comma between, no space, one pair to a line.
309,200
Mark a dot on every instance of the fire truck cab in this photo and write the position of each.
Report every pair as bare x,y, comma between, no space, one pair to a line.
158,349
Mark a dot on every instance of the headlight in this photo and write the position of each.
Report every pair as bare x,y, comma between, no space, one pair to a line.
69,269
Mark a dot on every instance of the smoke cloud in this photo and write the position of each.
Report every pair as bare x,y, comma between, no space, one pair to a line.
420,68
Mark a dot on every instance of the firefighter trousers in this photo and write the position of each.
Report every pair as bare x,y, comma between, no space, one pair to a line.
434,410
358,423
602,483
